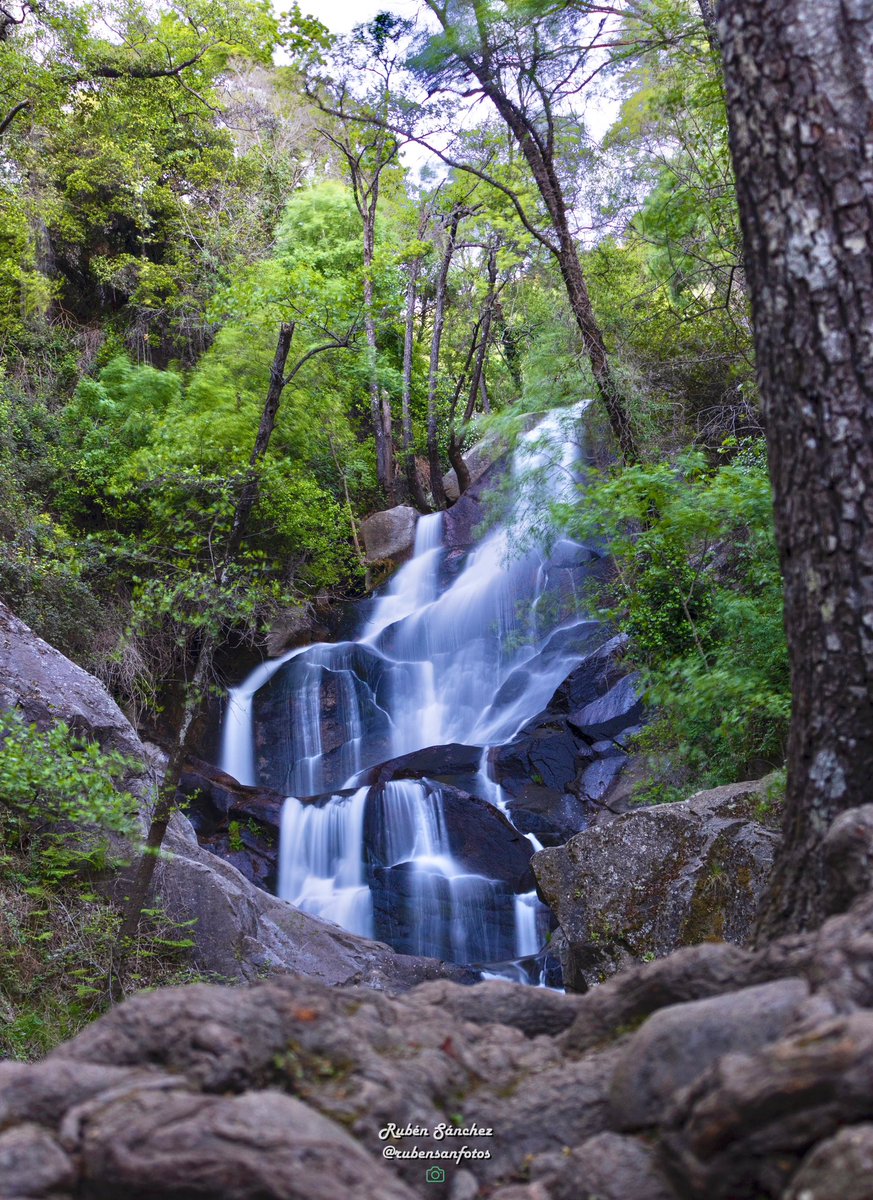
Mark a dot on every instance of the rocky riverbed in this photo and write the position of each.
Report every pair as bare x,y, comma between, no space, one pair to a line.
715,1074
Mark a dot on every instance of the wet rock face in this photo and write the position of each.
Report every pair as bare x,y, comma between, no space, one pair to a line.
238,823
452,764
712,1074
658,878
479,835
559,770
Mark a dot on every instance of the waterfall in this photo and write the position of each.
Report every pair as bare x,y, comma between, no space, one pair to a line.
466,660
320,865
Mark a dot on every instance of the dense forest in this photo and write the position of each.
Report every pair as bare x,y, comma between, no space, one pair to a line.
175,205
244,304
259,281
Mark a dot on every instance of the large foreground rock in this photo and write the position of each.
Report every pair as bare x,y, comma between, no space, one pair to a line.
658,878
712,1074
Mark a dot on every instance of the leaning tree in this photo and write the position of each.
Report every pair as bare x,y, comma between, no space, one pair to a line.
799,77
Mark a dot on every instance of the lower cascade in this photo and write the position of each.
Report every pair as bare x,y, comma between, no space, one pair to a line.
397,825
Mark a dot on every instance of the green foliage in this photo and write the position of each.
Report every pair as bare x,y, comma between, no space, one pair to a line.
58,801
698,590
63,819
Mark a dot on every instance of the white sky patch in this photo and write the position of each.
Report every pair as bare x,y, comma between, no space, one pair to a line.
340,16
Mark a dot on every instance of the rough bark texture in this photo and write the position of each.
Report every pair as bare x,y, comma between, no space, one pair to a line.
710,22
799,79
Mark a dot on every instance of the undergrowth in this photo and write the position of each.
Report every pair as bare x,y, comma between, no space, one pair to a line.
65,828
697,587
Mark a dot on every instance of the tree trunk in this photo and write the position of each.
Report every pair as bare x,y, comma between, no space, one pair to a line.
413,483
710,24
439,318
592,339
381,433
456,458
485,334
800,99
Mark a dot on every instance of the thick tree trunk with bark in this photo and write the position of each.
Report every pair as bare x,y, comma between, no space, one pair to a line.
799,80
710,23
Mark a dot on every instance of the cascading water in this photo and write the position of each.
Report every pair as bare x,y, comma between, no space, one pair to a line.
466,661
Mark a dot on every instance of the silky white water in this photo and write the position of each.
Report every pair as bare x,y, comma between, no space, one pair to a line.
470,660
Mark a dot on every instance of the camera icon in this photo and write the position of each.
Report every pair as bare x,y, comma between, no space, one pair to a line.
435,1175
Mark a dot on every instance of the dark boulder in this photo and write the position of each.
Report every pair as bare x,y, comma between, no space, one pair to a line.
546,752
598,779
611,713
238,823
540,772
593,677
452,764
480,837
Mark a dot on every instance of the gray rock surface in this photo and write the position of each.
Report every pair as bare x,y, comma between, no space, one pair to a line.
47,688
841,1166
32,1163
389,536
280,1090
295,625
620,708
677,1044
848,857
608,1167
744,1127
657,878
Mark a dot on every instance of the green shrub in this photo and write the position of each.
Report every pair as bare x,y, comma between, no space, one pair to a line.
697,588
62,824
